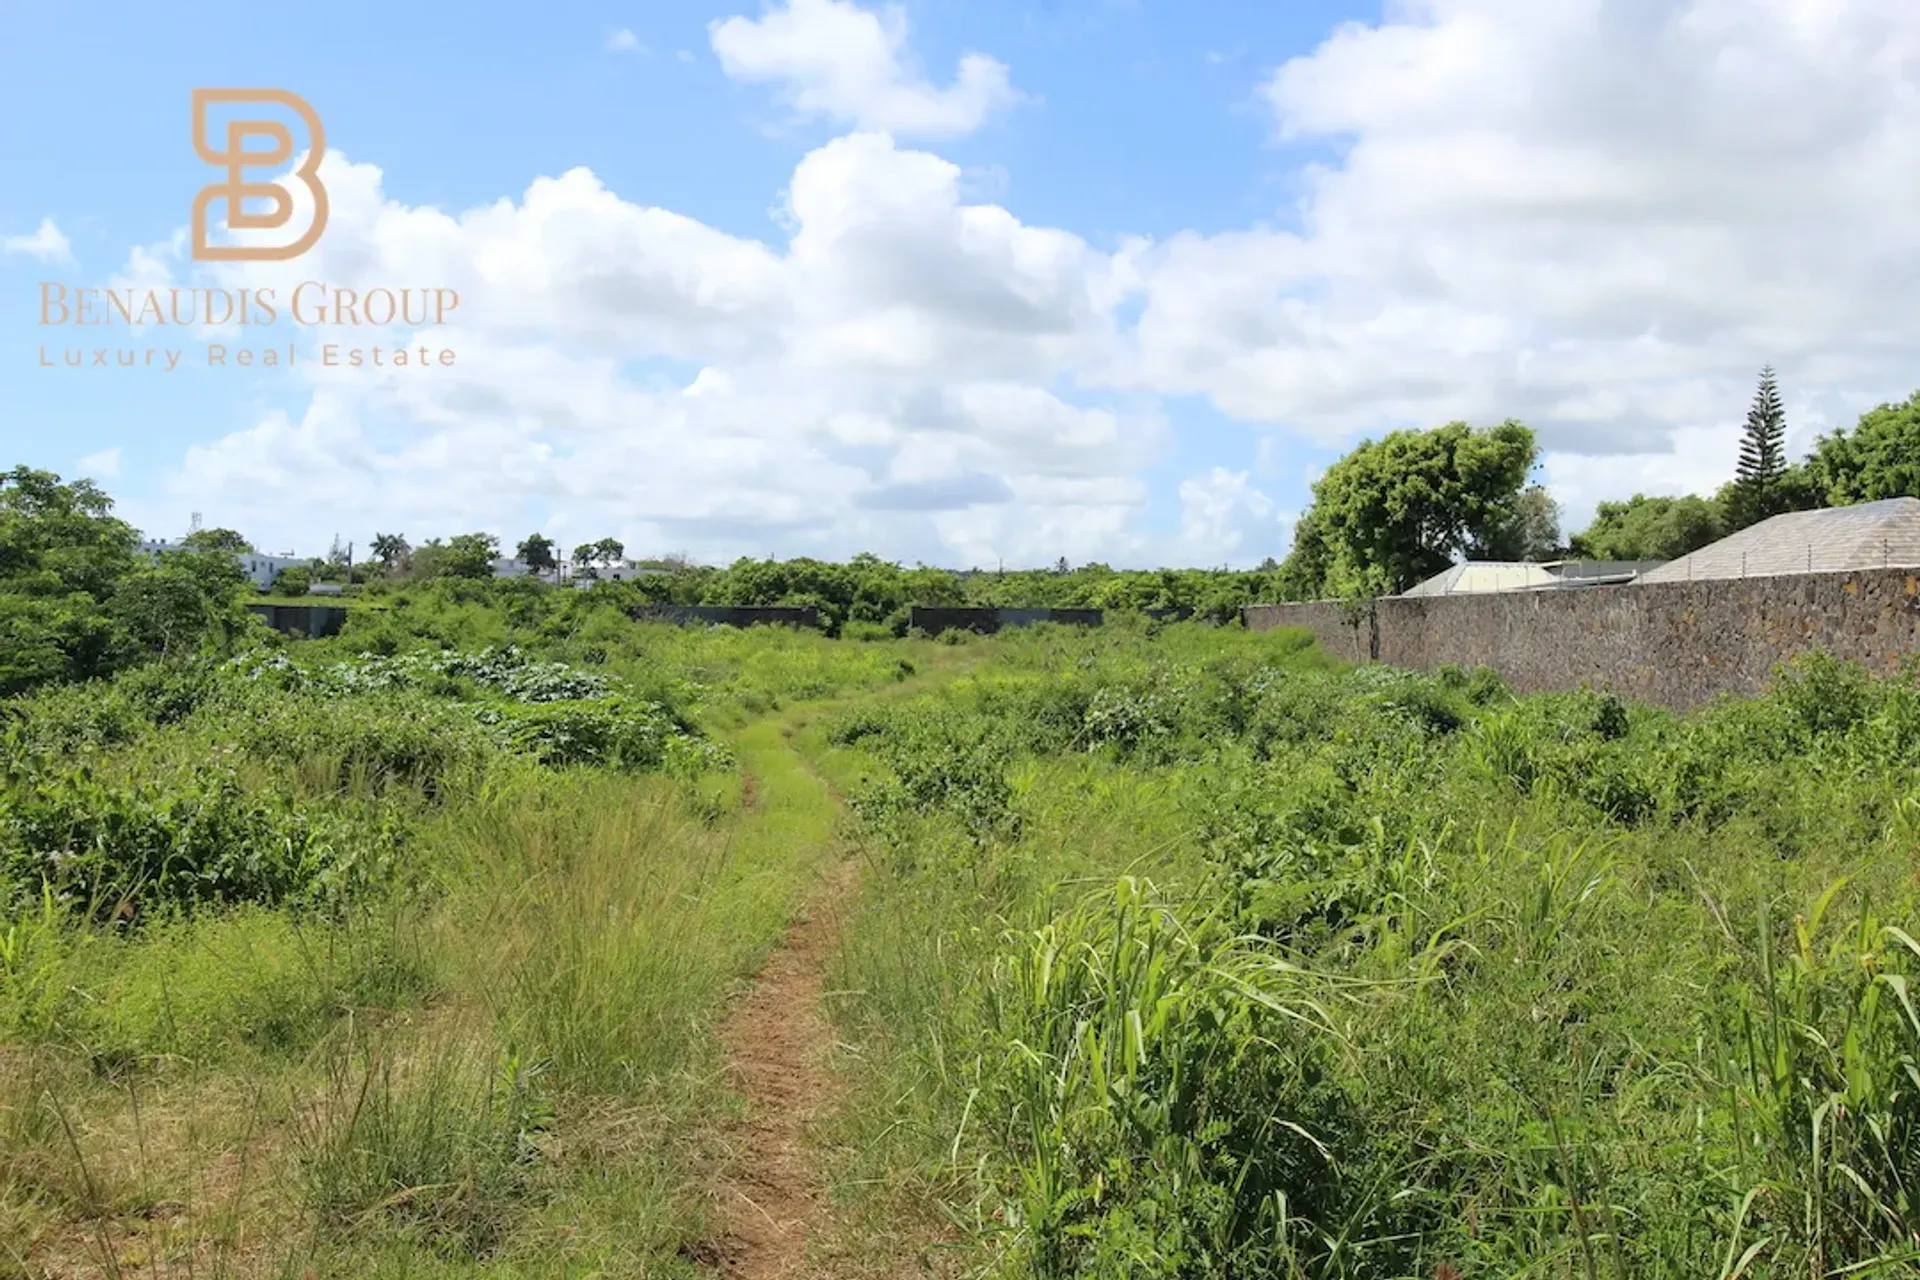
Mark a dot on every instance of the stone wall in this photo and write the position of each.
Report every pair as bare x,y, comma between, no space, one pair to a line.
1675,644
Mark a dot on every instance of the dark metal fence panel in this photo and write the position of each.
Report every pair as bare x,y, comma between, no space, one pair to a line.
688,615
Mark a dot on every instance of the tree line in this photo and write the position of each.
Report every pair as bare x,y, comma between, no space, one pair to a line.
78,601
1400,509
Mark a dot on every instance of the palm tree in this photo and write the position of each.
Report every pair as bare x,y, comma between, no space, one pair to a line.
390,548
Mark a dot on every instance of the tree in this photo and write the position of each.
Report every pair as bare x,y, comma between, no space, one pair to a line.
1879,458
1397,510
62,554
216,540
1763,459
1533,534
1644,528
294,580
183,601
391,550
469,555
607,551
76,599
536,552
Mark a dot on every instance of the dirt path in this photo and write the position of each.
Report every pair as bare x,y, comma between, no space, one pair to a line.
775,1037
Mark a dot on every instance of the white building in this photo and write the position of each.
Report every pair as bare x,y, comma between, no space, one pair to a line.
509,567
261,569
619,571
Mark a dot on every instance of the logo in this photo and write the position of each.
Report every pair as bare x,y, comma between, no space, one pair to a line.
235,191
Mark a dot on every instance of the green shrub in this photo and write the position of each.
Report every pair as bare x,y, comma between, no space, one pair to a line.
200,840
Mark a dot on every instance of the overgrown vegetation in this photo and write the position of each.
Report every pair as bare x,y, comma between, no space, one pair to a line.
1195,959
1180,952
395,951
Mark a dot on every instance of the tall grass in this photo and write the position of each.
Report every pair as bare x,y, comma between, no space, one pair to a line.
1583,989
466,1023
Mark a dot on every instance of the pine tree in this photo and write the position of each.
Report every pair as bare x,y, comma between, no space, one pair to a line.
1763,457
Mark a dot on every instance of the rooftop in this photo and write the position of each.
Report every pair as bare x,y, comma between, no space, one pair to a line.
1868,535
1475,576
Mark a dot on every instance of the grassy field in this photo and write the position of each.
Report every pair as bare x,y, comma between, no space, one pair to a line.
1145,952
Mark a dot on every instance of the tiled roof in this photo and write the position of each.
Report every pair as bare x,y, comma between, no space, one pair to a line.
1869,535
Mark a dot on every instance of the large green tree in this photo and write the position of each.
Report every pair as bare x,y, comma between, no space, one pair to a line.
469,555
78,601
182,602
536,552
62,554
1643,528
1878,458
1400,509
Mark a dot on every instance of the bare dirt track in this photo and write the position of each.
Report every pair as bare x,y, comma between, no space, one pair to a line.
773,1195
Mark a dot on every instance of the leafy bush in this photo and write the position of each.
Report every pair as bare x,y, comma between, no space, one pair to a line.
201,840
614,732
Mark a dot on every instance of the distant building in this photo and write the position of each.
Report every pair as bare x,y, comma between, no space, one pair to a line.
263,569
260,569
509,567
619,571
1479,577
1868,535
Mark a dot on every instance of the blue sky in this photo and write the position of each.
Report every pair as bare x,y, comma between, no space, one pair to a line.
1287,225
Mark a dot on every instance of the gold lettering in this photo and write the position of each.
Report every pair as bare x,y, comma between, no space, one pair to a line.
47,301
299,315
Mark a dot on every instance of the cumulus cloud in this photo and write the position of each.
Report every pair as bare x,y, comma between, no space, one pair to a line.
624,41
888,376
47,243
1602,217
833,58
1224,519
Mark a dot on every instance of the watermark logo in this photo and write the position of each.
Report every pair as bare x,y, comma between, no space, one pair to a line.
163,325
236,190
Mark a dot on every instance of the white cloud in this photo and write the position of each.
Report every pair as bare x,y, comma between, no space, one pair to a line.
1600,216
103,465
1224,519
835,59
624,41
47,243
888,377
